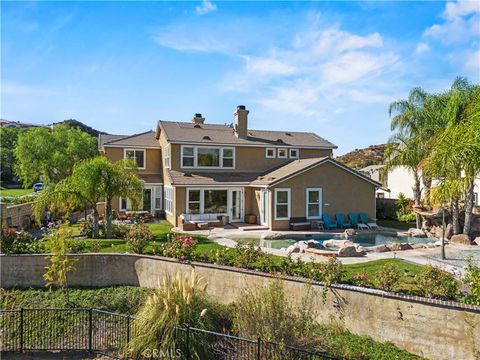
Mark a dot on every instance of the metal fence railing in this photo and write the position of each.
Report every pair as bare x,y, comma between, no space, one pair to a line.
107,333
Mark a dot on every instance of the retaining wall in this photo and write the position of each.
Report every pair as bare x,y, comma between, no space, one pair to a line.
430,328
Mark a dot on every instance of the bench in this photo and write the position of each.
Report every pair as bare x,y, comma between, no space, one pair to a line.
201,221
300,223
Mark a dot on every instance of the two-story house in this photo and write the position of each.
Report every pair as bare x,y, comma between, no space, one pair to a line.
232,170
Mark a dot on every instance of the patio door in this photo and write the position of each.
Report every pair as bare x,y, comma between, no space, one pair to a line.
264,207
236,210
147,199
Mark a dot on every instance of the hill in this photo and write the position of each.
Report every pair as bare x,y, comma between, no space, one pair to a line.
359,158
79,125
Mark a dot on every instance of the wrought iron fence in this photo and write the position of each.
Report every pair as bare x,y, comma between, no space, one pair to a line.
107,333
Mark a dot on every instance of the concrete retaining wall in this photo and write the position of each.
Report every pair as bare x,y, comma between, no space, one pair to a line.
430,328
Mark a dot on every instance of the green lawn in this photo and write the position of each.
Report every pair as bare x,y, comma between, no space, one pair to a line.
15,192
399,225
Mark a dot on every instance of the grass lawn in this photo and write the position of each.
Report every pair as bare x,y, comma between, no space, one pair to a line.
15,192
396,224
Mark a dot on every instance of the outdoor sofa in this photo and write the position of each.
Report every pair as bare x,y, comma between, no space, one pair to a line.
300,223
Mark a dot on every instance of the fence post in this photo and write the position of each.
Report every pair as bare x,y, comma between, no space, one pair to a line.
90,330
259,348
128,329
21,329
187,348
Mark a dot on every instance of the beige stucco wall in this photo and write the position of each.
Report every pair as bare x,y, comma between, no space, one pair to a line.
342,190
153,159
21,215
434,331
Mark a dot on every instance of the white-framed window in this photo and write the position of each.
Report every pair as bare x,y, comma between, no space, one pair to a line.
282,204
314,203
282,153
137,155
193,201
157,197
168,199
208,157
166,156
270,153
125,204
293,153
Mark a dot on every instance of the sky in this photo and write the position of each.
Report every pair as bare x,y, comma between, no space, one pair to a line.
328,67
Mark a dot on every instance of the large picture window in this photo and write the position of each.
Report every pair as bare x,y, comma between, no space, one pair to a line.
282,204
314,203
137,155
208,157
215,201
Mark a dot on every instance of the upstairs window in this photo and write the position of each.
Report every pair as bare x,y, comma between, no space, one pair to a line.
166,156
136,155
293,153
270,153
208,157
282,153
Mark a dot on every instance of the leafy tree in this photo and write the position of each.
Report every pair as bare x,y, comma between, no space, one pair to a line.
8,137
51,154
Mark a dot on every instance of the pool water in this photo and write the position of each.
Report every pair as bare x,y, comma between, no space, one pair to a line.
365,240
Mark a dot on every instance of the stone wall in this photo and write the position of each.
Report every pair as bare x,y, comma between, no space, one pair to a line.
430,328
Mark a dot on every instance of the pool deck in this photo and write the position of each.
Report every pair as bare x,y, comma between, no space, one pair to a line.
456,255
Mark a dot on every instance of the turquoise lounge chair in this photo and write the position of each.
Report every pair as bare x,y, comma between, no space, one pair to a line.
353,219
369,222
341,221
328,223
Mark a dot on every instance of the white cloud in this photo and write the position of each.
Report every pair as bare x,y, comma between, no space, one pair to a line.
473,61
461,22
422,48
206,7
268,66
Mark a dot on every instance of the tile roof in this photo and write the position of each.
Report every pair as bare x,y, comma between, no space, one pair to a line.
224,134
179,178
146,138
151,178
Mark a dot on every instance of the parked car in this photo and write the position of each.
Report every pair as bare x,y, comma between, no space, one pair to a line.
38,186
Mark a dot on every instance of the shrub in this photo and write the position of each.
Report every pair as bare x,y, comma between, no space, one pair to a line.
138,237
388,277
331,271
221,257
269,313
472,279
410,217
177,301
96,247
361,280
76,246
120,231
180,247
18,242
86,228
247,255
435,283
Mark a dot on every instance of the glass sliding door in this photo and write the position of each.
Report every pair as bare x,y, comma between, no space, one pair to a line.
236,213
264,209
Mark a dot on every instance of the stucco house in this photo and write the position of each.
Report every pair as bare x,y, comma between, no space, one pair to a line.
194,169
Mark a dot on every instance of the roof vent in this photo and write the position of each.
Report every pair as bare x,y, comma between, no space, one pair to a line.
206,137
197,126
288,134
280,141
198,119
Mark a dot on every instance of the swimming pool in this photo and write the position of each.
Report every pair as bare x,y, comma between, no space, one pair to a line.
365,239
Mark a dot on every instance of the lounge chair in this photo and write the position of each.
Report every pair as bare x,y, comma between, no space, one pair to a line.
369,222
300,223
353,219
328,223
341,221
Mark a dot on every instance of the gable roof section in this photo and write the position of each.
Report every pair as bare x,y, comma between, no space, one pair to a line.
143,140
296,167
186,132
211,178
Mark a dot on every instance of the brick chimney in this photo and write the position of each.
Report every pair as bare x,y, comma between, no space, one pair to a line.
241,122
198,119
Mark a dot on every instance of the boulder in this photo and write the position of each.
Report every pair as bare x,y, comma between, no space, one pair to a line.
413,232
349,251
379,248
273,236
337,243
293,249
476,241
449,231
439,232
426,225
399,246
348,233
302,245
314,244
417,246
460,239
361,250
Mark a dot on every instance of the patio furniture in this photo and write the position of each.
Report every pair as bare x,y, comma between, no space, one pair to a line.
371,223
317,224
329,224
251,219
186,225
300,223
213,220
341,221
353,219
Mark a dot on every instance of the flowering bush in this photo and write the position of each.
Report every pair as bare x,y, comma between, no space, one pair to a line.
472,279
18,242
361,280
180,247
388,277
436,283
138,237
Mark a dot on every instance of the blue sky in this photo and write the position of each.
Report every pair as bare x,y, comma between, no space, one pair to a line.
328,67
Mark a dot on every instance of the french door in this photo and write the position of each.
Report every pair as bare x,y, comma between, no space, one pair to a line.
236,208
264,208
